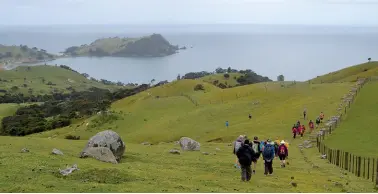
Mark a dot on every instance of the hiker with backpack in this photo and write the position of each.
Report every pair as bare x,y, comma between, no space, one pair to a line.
304,114
294,131
321,116
300,131
317,122
311,126
237,145
245,154
268,156
283,153
256,147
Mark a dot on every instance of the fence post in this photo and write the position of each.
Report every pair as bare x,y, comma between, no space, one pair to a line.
349,104
372,171
337,158
346,164
364,168
359,166
330,129
368,172
376,174
352,164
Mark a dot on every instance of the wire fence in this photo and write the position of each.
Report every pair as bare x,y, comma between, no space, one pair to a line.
365,167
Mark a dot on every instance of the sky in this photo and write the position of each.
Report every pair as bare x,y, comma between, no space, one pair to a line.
302,12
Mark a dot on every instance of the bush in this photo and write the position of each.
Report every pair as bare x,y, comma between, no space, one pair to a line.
215,82
226,75
199,87
221,85
72,137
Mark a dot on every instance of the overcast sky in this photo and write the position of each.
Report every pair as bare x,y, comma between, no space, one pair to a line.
310,12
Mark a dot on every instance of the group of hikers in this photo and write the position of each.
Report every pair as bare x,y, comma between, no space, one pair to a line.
299,129
248,153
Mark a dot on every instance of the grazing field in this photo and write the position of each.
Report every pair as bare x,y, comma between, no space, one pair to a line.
45,79
161,116
359,128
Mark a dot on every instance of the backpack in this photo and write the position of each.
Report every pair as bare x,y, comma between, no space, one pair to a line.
255,148
268,152
282,150
237,146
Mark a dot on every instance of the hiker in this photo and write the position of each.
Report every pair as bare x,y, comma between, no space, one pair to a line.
311,126
304,113
227,124
294,131
237,145
250,116
244,155
268,156
256,147
283,153
303,130
300,131
317,122
298,124
321,116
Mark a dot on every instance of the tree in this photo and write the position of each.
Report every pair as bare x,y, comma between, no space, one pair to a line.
229,70
18,56
85,75
226,75
178,77
280,78
152,81
30,91
369,59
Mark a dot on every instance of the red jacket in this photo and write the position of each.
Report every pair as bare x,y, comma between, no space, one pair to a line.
294,130
285,150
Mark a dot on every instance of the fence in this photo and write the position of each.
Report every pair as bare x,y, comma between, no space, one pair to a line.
365,167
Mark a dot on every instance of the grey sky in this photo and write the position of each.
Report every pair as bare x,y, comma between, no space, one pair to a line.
311,12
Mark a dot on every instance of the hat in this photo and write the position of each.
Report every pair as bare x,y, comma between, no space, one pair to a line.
282,142
255,138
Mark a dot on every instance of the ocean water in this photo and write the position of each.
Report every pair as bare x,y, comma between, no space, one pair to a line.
298,54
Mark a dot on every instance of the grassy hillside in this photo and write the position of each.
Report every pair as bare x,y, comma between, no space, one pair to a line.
349,74
161,116
231,81
359,129
37,78
23,54
7,109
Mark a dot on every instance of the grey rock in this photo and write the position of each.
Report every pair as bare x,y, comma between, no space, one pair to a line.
188,144
68,170
217,149
105,139
323,156
57,152
103,154
175,151
25,150
146,143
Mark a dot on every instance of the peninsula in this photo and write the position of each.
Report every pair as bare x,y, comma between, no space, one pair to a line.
154,45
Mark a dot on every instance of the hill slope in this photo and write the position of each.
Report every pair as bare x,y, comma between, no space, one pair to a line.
350,74
45,79
23,54
150,46
359,127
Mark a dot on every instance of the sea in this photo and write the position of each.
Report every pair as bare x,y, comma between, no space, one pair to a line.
297,52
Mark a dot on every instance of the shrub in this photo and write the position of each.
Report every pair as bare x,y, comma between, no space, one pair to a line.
215,82
226,75
221,85
72,137
199,87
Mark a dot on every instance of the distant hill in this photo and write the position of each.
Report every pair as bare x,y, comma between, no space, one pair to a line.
154,45
45,79
349,74
23,54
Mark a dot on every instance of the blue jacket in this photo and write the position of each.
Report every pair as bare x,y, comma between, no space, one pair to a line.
269,156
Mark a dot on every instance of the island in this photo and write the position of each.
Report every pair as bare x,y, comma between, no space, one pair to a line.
23,54
154,45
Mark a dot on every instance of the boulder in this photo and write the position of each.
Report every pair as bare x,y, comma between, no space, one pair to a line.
100,153
57,152
175,151
25,150
68,170
146,143
188,144
106,139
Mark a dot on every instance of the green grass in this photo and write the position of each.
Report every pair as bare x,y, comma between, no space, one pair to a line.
359,127
34,79
162,115
7,110
349,74
231,81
